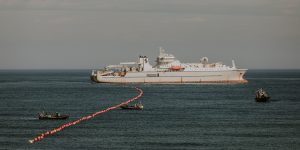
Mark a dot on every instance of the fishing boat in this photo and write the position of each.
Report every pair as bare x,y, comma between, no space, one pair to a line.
51,116
261,95
137,106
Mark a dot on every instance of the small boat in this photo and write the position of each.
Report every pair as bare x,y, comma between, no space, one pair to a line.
261,95
52,116
137,106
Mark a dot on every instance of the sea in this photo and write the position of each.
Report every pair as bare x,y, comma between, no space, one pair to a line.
175,116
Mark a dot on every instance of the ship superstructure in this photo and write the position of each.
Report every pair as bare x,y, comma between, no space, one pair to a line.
169,70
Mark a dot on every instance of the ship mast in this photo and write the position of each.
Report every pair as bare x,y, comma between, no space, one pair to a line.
161,51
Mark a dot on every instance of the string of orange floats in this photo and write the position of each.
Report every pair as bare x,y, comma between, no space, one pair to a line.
60,128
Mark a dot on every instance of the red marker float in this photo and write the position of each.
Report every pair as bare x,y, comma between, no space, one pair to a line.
60,128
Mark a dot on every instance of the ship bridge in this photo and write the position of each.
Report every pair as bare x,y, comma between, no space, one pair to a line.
165,60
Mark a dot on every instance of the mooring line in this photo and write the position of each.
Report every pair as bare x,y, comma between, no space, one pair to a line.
60,128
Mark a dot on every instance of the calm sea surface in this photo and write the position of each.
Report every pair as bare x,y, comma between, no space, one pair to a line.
187,116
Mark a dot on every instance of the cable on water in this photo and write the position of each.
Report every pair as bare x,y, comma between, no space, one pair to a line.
85,118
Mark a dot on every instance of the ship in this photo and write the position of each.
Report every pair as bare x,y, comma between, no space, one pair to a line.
52,116
168,69
137,106
261,95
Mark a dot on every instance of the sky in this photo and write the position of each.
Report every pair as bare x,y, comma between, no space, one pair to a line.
89,34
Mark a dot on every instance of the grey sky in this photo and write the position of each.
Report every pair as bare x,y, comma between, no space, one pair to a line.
84,34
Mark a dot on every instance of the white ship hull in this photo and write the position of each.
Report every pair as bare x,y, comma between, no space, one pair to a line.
227,76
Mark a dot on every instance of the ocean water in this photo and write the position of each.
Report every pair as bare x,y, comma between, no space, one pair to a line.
183,116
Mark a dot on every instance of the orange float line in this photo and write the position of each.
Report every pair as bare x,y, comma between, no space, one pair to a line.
60,128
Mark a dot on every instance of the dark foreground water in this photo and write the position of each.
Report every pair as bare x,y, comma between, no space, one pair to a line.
203,116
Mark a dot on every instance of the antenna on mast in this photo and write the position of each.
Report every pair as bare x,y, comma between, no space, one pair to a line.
161,51
233,64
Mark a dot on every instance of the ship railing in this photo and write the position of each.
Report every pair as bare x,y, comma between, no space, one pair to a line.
106,73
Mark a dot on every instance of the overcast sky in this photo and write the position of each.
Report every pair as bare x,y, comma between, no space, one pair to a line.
85,34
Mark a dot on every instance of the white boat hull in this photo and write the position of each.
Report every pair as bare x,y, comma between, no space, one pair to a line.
226,76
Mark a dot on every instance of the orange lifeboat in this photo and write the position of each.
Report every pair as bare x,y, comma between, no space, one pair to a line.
175,67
